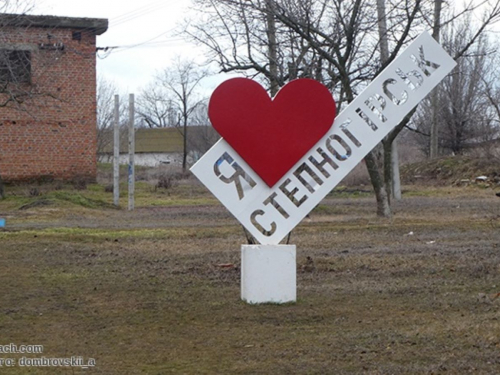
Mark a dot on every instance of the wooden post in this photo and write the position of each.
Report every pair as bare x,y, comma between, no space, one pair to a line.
131,152
116,153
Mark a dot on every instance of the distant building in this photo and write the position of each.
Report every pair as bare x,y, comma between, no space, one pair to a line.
160,146
48,96
152,147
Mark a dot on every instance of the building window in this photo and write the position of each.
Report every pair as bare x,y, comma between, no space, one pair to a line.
15,66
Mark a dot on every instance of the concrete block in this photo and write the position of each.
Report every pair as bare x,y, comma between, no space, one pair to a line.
268,273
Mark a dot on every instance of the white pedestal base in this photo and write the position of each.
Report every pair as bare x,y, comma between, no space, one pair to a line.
268,273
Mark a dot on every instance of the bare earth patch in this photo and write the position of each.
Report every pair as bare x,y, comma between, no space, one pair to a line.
156,291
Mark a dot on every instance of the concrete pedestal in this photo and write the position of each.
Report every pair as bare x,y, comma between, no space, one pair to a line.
268,273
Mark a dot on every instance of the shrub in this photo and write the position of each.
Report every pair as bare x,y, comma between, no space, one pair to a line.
80,183
167,181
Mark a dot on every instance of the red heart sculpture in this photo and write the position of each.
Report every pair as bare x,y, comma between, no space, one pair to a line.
271,135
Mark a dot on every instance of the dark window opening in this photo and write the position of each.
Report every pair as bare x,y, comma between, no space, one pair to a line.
77,35
15,66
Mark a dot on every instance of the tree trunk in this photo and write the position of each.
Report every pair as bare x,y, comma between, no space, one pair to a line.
273,52
434,139
382,31
396,178
185,150
391,157
387,167
383,205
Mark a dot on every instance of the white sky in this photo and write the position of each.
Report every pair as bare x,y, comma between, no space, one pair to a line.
133,22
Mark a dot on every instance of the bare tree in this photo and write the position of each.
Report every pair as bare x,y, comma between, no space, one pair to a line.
334,39
172,99
14,89
490,138
248,37
202,135
391,167
464,104
436,31
16,85
331,41
155,105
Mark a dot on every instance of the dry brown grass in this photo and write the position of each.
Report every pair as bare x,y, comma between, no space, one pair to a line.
144,292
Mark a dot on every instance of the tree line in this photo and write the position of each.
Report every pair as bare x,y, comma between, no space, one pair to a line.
344,45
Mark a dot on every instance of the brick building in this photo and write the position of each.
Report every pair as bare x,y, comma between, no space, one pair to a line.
48,96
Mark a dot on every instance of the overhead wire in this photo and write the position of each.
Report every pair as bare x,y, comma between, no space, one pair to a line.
127,17
150,43
132,15
139,12
158,44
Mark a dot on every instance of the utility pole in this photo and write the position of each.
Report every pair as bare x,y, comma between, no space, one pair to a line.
116,153
131,152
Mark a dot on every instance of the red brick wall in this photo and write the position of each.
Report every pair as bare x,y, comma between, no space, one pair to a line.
52,134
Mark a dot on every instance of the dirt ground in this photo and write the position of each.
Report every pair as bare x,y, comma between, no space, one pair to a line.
156,290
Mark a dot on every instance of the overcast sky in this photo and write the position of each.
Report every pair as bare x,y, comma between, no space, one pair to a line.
146,26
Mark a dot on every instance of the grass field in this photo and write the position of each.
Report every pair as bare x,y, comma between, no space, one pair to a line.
156,290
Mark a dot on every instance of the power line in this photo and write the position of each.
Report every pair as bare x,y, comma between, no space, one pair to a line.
139,12
147,44
133,14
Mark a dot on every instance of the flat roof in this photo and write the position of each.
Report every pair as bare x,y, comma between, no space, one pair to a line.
98,25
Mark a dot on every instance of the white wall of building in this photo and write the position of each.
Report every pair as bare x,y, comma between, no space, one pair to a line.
147,160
